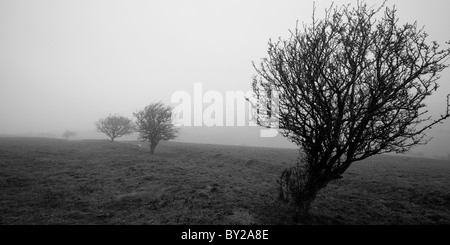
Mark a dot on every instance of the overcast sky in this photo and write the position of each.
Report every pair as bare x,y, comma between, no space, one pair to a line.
64,64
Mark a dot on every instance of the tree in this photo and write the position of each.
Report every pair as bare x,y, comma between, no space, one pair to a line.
345,88
67,134
154,124
115,126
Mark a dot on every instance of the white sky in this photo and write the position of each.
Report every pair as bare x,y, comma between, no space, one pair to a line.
64,64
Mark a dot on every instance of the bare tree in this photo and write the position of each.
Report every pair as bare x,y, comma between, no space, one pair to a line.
115,126
154,123
345,88
67,134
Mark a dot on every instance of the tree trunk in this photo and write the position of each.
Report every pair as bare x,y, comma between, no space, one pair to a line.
152,147
302,211
303,206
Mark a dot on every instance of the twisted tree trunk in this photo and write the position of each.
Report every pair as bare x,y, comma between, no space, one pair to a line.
152,147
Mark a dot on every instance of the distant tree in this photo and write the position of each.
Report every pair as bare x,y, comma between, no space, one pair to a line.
67,134
154,123
115,126
345,88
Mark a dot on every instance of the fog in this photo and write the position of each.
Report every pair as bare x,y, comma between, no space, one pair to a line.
65,64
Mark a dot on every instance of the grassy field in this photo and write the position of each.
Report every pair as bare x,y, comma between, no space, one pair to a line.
51,181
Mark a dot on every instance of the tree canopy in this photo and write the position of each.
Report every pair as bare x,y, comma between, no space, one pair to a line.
115,126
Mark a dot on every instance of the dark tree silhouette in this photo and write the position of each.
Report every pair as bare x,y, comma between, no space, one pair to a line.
67,134
345,88
154,123
115,126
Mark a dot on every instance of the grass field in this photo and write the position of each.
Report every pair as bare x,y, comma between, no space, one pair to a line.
51,181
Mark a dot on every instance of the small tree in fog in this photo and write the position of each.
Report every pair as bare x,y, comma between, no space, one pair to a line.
345,88
154,123
115,126
67,134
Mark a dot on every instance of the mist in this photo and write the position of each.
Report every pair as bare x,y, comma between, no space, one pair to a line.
65,64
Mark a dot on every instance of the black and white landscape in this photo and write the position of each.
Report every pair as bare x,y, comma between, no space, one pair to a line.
224,112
